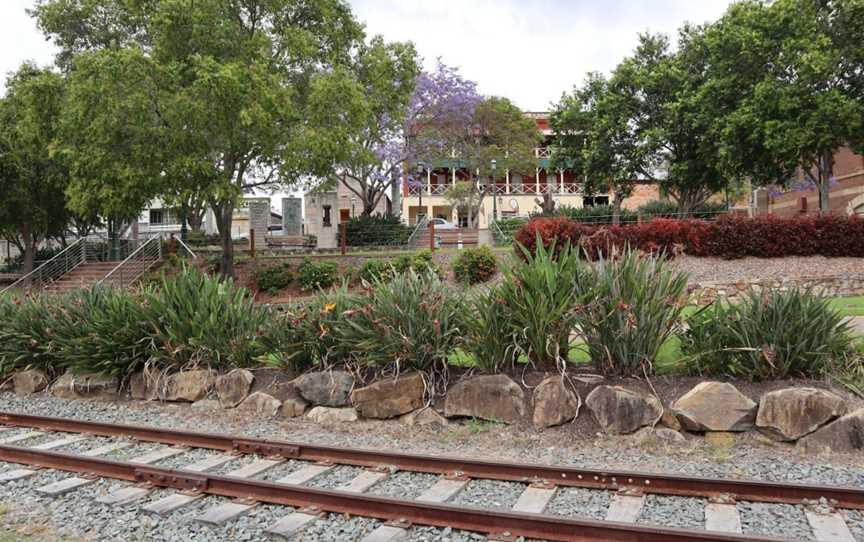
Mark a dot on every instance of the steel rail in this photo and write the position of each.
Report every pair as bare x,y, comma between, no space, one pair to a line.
663,484
406,512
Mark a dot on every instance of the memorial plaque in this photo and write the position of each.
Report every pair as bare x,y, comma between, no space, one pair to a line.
292,216
259,216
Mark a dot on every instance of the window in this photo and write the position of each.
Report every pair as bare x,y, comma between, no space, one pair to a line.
156,217
327,221
592,201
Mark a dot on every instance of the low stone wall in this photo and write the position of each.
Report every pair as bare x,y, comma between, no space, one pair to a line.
816,420
845,285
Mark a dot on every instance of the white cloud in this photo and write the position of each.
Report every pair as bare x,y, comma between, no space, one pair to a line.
20,40
529,50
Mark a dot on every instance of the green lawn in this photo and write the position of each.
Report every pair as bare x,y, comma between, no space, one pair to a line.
849,306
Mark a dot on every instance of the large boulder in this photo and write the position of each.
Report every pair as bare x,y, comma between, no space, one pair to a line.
843,435
715,406
554,403
189,386
233,387
325,388
621,411
491,397
322,414
292,407
424,416
85,386
30,381
791,413
146,385
390,398
261,403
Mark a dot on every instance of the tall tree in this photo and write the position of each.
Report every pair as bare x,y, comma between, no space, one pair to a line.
220,90
370,120
32,177
497,131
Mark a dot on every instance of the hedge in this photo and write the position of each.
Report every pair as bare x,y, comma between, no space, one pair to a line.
728,237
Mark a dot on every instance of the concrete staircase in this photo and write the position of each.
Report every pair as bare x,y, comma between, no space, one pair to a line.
89,273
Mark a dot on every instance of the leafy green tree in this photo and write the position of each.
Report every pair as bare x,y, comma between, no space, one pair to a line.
32,177
213,93
497,131
357,120
804,100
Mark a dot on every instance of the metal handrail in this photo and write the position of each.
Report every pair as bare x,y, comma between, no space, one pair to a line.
420,224
186,248
118,270
64,254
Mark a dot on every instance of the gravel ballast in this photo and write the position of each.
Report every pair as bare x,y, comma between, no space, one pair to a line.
579,502
782,520
673,512
78,515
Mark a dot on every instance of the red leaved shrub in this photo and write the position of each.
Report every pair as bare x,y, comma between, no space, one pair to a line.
728,237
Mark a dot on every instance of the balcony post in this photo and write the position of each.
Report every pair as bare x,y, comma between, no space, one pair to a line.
507,181
537,180
561,180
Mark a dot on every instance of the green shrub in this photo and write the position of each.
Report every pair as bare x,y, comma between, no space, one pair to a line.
26,332
375,230
662,208
490,336
105,331
273,278
504,229
475,265
197,319
410,322
542,298
636,305
596,214
767,335
374,270
420,262
313,275
315,327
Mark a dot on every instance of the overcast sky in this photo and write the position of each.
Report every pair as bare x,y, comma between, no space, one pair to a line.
527,50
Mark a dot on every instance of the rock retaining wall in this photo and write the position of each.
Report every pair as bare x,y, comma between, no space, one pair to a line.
817,420
846,285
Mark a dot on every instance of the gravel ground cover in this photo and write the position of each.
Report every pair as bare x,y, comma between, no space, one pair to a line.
855,521
90,443
579,502
281,470
782,520
335,477
187,458
748,269
74,516
673,512
404,485
337,528
490,494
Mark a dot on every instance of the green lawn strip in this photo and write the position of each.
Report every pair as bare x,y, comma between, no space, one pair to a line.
849,306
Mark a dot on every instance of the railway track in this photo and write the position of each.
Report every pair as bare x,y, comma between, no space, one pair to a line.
436,505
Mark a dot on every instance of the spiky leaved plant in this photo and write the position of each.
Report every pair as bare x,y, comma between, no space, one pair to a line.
768,334
27,326
543,297
412,321
489,334
198,319
637,304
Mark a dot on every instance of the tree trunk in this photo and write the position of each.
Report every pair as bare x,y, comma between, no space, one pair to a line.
29,243
616,210
224,213
826,171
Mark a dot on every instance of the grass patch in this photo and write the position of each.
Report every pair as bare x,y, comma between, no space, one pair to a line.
849,306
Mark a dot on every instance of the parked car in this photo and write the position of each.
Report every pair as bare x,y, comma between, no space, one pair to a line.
441,224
